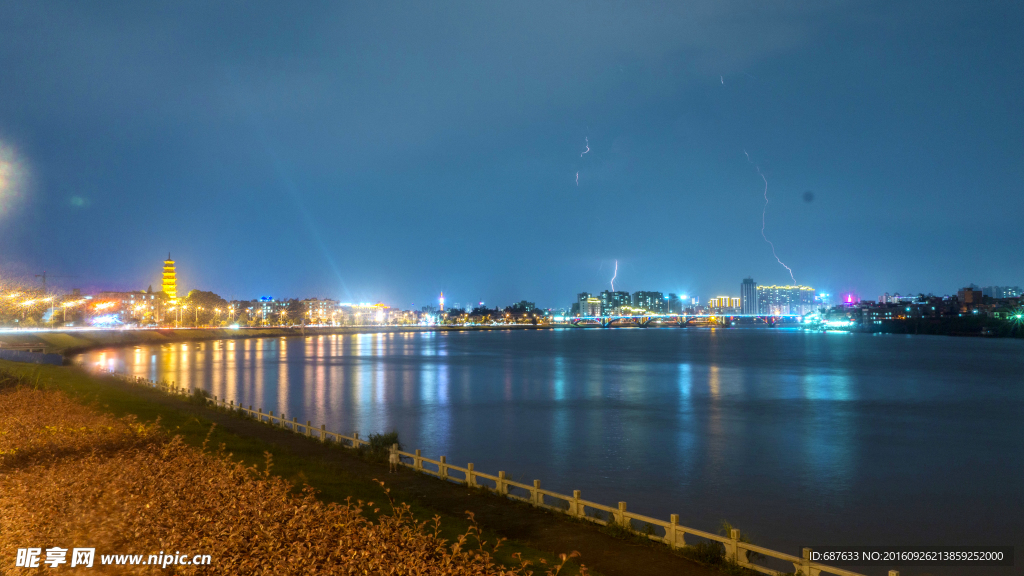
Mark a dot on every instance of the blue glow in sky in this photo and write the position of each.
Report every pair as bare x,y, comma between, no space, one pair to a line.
368,152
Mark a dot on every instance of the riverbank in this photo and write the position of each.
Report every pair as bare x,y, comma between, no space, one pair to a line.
74,341
338,473
73,477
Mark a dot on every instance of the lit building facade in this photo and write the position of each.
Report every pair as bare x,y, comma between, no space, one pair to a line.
1001,291
581,303
611,301
785,300
725,304
748,296
320,311
969,297
265,309
591,307
170,280
651,301
129,307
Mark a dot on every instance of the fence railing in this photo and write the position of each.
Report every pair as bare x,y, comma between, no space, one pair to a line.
669,532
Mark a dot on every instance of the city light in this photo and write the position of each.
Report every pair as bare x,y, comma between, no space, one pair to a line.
838,324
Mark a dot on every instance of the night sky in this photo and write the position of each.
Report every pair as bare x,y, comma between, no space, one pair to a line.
383,151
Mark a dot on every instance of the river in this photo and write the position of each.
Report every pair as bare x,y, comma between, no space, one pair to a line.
798,438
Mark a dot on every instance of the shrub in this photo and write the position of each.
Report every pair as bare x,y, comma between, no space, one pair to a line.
709,552
199,396
380,445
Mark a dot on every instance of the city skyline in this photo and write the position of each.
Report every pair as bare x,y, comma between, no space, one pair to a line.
394,154
607,299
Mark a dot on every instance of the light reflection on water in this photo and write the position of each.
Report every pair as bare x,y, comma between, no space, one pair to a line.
795,437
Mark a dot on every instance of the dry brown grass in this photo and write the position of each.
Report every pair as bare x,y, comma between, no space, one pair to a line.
72,477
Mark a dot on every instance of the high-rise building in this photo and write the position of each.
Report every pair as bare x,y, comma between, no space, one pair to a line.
748,296
675,304
581,302
170,282
613,300
785,300
592,307
650,301
1001,291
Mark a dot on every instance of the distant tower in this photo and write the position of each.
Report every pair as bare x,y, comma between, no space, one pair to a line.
170,284
442,301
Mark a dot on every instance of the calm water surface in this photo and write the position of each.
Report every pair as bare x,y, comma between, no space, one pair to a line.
797,438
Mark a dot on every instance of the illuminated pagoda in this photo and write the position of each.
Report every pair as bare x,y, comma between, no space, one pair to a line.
170,284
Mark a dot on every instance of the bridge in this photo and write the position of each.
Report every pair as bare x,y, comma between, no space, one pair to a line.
681,320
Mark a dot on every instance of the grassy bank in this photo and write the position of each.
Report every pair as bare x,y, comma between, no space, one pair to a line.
72,476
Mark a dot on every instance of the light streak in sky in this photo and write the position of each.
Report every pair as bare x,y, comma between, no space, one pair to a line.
615,275
588,146
285,180
722,78
13,174
764,212
577,178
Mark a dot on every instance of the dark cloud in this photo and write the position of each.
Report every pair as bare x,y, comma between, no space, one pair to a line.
808,196
365,151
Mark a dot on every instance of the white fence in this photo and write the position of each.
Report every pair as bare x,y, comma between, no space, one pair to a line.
670,532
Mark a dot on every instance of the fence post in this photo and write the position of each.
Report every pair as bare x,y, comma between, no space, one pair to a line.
500,487
295,424
804,567
740,554
270,418
232,405
730,549
535,496
417,462
323,432
259,415
675,537
470,477
355,443
620,516
575,509
442,469
309,429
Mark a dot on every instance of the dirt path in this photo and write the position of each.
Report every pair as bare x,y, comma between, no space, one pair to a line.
539,529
